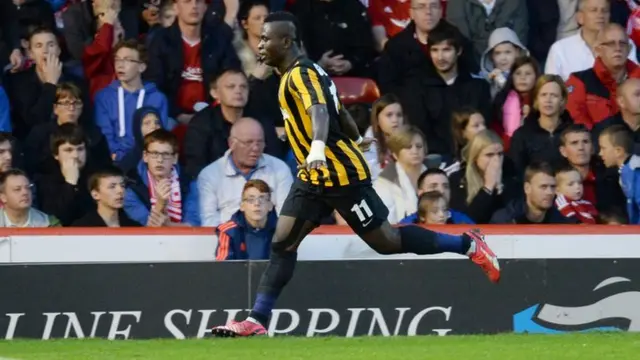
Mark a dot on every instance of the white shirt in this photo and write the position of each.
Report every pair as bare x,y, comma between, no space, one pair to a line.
488,5
572,54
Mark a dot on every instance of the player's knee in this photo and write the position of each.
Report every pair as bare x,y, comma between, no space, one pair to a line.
385,249
279,247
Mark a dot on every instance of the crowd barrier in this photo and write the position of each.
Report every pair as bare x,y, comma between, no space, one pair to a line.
590,284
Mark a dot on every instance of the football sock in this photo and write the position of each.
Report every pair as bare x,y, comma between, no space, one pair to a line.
273,280
418,240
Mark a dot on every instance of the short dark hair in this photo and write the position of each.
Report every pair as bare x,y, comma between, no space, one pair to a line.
536,168
41,29
564,167
94,180
285,16
133,44
572,129
161,136
445,32
232,70
11,172
68,133
619,136
429,172
6,136
68,90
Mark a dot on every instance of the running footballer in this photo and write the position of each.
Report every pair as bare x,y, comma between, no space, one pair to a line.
333,175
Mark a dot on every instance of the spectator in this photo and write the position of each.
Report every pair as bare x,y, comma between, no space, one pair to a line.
513,103
569,196
247,236
398,182
496,62
436,180
433,209
593,91
337,34
32,92
107,187
185,57
16,198
628,100
220,183
116,103
68,108
5,113
158,185
145,121
485,182
63,191
206,139
386,118
538,138
547,18
477,19
616,146
6,152
466,124
537,207
576,53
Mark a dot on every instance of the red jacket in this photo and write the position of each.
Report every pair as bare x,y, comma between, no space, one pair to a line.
97,60
592,93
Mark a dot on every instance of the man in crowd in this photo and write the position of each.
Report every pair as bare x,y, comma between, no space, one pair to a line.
628,99
16,198
6,152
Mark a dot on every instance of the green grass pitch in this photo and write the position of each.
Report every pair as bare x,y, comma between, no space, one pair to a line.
518,347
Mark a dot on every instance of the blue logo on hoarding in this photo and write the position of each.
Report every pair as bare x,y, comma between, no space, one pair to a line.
558,319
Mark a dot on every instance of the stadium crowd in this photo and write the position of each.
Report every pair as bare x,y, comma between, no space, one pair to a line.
157,113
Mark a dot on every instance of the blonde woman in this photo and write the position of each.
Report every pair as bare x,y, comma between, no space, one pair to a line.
398,182
538,139
386,117
485,182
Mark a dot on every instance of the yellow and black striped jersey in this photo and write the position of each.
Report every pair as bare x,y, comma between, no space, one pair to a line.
303,85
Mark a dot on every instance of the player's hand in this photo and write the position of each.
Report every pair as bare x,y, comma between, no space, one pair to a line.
314,165
365,145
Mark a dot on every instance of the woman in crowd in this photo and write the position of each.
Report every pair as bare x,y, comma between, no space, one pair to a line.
538,139
485,182
398,182
386,118
466,124
513,103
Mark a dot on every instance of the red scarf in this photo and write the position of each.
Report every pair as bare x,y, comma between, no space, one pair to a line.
174,205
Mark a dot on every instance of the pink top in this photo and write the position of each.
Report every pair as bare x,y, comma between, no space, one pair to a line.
511,113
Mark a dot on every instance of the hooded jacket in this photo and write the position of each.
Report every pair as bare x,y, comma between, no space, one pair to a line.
114,115
499,36
131,159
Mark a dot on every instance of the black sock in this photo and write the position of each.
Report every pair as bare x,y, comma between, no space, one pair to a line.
273,280
421,241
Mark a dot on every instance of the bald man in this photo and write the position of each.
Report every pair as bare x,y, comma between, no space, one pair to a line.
592,92
628,100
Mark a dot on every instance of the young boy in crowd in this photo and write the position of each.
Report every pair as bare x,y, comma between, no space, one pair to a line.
504,48
247,236
433,208
616,147
569,192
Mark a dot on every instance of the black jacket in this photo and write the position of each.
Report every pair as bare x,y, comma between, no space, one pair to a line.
516,213
93,219
206,140
544,16
166,59
35,12
533,143
9,31
616,119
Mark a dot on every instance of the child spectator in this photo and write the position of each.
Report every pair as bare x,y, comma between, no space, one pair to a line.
569,193
504,48
433,209
145,121
386,117
16,198
466,123
247,236
116,103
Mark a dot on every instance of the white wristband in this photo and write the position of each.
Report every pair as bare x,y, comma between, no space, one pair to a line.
316,153
359,140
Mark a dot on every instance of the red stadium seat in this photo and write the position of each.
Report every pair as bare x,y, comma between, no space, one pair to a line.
354,90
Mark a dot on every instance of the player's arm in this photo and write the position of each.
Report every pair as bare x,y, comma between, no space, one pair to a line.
350,128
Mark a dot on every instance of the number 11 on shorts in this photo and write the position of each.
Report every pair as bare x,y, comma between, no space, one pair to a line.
362,210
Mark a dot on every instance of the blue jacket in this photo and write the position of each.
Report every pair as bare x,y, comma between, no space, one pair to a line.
237,240
630,183
5,118
106,107
455,217
137,202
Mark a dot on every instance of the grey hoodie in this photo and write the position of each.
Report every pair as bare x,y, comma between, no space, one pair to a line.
499,36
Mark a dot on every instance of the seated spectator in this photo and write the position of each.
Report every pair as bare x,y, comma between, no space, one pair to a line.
68,108
616,146
63,191
247,236
220,184
576,52
513,103
398,182
436,180
337,35
107,187
538,139
593,91
628,100
206,139
5,113
145,121
6,152
504,48
16,199
466,123
486,181
478,19
158,185
537,207
32,92
116,103
433,209
569,196
386,118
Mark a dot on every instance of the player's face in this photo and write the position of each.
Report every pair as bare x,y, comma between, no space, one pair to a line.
541,191
110,192
271,46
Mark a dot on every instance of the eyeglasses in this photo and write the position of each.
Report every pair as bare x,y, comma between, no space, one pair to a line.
69,104
424,8
250,143
616,44
157,155
260,200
